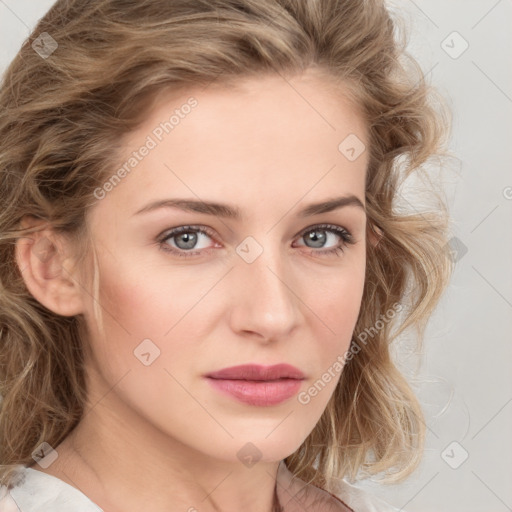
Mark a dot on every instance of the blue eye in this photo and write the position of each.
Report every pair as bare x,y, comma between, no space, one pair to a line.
186,238
313,236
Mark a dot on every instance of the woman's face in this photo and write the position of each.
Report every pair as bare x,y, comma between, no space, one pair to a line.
264,288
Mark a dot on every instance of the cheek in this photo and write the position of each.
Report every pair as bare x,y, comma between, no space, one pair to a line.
335,312
144,304
147,317
336,299
133,353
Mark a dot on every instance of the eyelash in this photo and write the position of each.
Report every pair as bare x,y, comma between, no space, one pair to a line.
344,234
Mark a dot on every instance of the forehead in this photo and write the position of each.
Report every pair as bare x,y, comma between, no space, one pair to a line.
283,135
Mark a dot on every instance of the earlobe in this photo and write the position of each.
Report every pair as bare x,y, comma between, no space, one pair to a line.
41,259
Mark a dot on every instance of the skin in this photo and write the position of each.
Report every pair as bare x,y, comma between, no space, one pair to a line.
270,148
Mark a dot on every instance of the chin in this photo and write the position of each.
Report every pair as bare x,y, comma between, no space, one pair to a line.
254,446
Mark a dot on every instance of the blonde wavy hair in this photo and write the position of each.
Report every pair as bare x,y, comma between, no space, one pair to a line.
61,120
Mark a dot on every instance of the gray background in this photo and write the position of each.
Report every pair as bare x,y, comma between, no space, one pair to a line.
463,378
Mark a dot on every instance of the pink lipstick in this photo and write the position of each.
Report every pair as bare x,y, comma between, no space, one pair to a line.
258,385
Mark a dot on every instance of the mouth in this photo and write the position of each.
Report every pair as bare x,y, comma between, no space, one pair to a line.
258,372
258,385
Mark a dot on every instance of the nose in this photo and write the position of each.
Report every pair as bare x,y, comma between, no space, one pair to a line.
265,302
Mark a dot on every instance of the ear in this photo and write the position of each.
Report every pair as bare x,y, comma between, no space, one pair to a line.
374,234
47,272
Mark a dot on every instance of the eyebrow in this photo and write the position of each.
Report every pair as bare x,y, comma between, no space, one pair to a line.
233,212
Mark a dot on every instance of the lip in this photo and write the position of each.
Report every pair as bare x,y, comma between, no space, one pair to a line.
258,372
258,385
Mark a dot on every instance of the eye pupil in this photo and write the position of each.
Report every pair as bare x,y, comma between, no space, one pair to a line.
316,238
189,238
